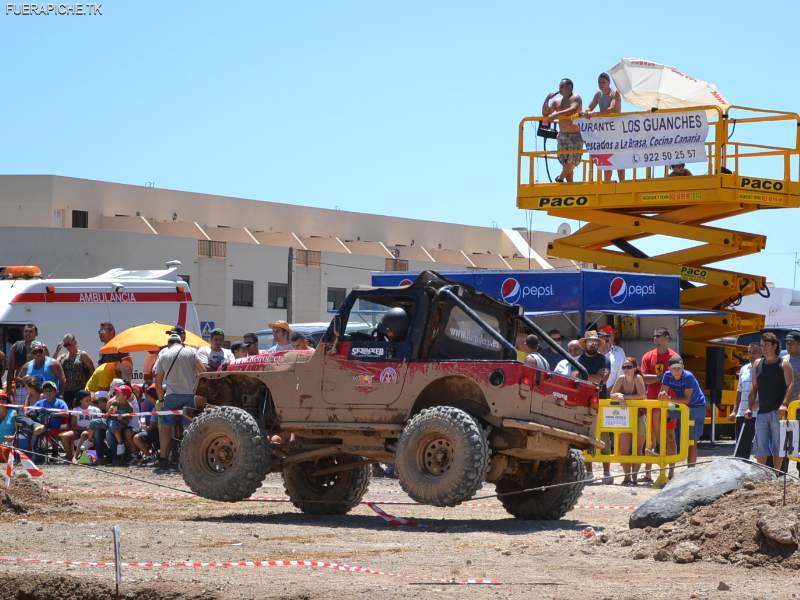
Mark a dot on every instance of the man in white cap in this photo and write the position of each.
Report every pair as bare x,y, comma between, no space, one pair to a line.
176,371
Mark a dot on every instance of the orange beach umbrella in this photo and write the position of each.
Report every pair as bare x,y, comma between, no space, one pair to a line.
149,337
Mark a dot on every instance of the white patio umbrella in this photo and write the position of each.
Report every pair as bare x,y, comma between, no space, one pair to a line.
651,85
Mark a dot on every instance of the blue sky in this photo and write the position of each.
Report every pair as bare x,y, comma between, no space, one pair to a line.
407,109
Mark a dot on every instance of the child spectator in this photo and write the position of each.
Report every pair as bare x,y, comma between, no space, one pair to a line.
238,349
52,421
118,424
99,427
80,433
147,441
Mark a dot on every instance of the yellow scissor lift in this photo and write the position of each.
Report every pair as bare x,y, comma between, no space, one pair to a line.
649,203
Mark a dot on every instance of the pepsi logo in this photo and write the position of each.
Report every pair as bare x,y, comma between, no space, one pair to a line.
511,291
618,290
406,282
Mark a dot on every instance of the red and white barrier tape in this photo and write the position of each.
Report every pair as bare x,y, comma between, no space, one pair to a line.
24,460
391,519
320,564
85,413
282,499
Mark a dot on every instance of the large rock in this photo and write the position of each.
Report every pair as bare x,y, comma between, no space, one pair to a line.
697,487
779,526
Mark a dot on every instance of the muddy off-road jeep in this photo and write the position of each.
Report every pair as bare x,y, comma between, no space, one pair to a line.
436,389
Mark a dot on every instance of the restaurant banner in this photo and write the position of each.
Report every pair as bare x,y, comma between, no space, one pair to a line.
645,140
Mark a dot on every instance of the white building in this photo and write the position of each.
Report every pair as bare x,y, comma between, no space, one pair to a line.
781,309
235,252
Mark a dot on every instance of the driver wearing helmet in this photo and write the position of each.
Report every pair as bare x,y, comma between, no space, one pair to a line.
393,326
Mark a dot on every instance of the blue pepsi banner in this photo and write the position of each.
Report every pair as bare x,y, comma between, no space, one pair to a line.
564,291
535,291
607,290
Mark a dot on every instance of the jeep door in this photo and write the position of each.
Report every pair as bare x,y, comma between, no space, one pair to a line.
362,368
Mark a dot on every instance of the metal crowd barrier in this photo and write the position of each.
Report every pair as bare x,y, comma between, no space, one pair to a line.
791,425
615,418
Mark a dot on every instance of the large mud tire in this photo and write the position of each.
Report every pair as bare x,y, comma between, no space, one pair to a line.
331,494
223,455
550,504
442,456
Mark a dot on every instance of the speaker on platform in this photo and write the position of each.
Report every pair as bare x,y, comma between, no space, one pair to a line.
715,367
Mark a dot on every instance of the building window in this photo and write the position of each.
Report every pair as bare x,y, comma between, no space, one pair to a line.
242,292
80,219
186,278
277,294
396,264
336,297
308,258
211,249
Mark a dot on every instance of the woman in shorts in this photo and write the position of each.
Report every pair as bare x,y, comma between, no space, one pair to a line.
630,386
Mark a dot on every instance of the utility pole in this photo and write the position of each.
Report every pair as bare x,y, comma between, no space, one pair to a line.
289,286
794,279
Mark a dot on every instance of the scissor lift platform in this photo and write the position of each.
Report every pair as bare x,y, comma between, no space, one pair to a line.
650,203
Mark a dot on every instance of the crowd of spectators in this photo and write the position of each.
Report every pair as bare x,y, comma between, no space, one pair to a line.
768,382
92,412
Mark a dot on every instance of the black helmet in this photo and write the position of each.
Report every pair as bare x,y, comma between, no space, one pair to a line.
394,324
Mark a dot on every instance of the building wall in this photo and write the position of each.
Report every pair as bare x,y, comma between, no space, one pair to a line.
85,253
138,227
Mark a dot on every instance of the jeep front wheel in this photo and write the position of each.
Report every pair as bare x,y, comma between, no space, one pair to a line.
223,455
549,504
334,492
442,456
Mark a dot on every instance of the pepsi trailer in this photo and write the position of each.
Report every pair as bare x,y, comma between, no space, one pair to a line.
571,300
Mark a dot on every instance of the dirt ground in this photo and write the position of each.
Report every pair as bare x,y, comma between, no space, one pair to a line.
478,540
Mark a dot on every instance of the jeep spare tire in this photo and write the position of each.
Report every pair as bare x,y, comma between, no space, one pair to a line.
552,503
334,492
442,456
223,454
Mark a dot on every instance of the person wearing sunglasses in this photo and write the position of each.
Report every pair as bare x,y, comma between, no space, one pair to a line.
687,390
630,386
250,344
43,368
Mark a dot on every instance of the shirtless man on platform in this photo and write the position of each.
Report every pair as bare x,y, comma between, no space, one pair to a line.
569,135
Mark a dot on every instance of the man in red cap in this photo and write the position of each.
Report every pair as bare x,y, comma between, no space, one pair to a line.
615,354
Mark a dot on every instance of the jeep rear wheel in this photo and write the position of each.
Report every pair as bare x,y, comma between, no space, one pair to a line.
333,493
550,504
442,456
223,455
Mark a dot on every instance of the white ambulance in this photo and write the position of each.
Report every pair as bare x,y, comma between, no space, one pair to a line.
58,306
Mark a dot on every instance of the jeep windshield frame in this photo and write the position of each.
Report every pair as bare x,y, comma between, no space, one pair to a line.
447,320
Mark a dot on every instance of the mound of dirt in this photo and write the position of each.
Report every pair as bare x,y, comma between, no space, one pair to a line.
25,496
749,527
59,587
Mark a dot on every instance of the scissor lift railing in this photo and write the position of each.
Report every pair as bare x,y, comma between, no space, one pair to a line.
739,177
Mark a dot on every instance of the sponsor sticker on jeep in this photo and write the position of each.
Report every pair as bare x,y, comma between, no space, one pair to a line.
367,353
